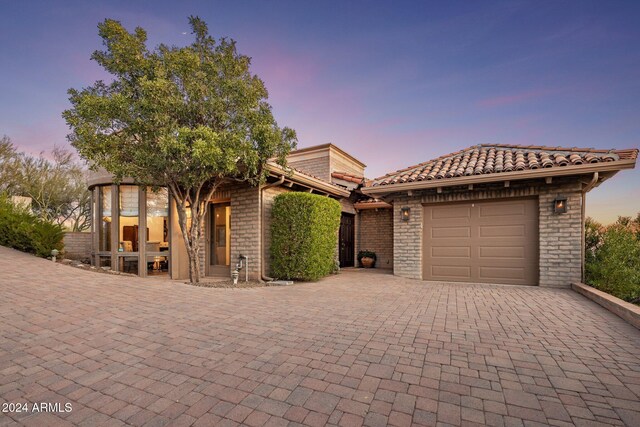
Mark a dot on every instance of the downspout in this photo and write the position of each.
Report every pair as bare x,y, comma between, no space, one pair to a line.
278,183
586,189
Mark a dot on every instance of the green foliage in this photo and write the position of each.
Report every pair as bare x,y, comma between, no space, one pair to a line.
367,254
612,261
9,166
57,187
304,236
25,232
189,118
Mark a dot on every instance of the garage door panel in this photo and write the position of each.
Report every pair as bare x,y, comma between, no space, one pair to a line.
449,232
444,271
451,252
501,252
502,231
496,243
503,210
452,212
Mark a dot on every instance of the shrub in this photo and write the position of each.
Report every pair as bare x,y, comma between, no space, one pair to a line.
304,236
613,262
21,230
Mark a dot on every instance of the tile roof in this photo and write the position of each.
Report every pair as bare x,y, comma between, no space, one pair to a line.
499,158
345,176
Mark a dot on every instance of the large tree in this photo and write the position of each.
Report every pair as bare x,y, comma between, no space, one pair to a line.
189,118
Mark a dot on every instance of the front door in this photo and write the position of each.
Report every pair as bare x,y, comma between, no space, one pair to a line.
346,240
220,239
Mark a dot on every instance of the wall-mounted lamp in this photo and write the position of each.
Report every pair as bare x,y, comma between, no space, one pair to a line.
405,213
560,204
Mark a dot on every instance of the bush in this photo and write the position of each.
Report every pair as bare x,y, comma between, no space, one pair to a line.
613,261
21,230
304,236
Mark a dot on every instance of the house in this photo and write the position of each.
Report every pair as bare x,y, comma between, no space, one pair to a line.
490,213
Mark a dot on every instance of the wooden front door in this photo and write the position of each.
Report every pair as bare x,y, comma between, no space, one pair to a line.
219,239
346,240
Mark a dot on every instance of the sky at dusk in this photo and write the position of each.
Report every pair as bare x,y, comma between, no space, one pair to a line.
393,83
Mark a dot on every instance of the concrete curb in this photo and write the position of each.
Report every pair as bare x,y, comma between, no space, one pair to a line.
627,311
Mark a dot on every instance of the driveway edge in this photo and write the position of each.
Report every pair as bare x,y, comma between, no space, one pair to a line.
627,311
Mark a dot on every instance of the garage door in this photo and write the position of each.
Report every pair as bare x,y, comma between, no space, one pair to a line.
483,242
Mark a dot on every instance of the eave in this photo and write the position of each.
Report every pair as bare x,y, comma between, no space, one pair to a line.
308,181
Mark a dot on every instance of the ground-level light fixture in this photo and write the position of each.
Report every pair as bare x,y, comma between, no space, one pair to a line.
405,213
560,204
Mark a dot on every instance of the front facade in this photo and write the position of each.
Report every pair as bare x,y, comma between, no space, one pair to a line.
135,230
487,214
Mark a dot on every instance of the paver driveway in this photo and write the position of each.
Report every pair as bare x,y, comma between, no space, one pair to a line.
354,348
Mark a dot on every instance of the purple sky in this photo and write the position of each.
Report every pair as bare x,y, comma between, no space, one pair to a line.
394,83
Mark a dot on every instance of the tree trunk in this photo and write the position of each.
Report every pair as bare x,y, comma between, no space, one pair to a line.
194,264
191,235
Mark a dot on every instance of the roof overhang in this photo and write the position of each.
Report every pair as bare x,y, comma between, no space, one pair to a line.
372,205
383,190
307,181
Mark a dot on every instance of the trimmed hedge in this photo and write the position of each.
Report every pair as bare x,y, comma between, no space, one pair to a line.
304,236
21,230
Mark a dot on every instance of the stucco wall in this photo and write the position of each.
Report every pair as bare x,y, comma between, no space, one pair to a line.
376,234
560,236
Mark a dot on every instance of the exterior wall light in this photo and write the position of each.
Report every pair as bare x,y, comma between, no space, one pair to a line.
405,213
560,204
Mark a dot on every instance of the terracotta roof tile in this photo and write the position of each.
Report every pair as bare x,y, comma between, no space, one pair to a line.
497,158
348,177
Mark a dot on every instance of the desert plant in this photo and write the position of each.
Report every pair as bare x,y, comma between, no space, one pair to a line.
304,236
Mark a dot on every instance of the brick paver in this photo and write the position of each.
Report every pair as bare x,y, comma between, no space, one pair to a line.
357,348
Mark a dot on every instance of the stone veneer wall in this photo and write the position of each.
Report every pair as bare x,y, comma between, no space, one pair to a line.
376,234
407,238
77,245
245,228
317,166
560,236
340,164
